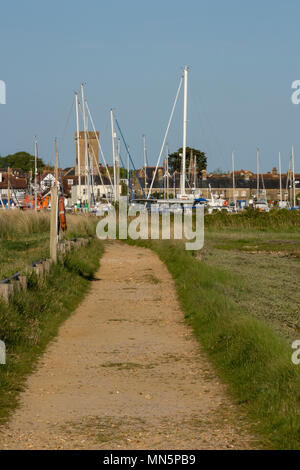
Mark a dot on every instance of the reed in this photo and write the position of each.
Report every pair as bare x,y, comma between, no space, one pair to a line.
17,224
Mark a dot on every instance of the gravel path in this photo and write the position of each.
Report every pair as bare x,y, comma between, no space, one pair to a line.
125,372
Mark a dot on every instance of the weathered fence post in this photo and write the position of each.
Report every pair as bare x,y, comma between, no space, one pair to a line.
54,213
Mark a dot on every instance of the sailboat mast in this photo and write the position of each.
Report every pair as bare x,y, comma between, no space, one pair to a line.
293,170
233,181
128,176
257,174
145,162
195,173
183,167
115,157
167,150
280,179
87,181
118,167
78,146
35,173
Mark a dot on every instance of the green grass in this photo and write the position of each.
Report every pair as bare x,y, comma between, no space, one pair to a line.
24,237
33,317
264,271
249,356
81,226
290,247
16,254
18,224
281,220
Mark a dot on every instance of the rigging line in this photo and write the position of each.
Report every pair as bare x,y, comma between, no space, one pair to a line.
165,137
14,192
99,173
128,153
67,122
60,174
100,147
122,161
261,174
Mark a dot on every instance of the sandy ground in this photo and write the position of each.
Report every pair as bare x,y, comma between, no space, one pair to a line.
125,372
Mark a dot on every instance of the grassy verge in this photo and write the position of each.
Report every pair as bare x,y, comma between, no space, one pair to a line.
24,237
33,317
264,268
248,355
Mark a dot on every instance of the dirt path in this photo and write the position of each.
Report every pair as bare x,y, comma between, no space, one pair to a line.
125,372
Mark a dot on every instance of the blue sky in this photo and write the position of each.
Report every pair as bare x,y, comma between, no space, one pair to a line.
243,57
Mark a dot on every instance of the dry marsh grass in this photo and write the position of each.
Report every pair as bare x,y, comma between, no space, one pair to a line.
17,224
24,237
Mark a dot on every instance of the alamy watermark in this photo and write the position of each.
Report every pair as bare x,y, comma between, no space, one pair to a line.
136,222
2,92
296,353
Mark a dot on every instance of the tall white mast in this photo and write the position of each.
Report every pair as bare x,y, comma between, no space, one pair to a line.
195,173
87,169
35,173
78,145
280,181
128,174
115,157
118,166
289,181
167,149
118,174
145,162
233,181
293,170
183,166
257,173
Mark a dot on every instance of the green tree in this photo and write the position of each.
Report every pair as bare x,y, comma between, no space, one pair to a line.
175,159
22,160
123,172
123,189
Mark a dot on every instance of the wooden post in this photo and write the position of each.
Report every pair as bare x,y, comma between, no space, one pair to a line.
54,213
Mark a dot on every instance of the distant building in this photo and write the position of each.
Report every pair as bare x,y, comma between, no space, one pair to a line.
140,180
18,184
218,185
101,188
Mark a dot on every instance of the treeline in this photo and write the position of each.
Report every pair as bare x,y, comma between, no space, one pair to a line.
22,160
